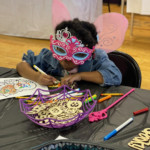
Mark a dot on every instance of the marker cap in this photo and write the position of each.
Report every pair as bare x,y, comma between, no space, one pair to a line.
110,135
140,111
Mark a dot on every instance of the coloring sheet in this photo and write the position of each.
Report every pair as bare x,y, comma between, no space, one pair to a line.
13,87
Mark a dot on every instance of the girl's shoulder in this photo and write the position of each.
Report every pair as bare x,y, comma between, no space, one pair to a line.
45,51
99,54
47,56
100,51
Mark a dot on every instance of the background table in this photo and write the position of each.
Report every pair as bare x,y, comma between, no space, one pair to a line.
18,132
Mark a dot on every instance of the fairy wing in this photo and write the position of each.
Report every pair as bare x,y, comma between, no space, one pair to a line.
59,13
111,28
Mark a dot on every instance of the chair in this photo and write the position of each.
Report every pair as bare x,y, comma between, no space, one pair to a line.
108,4
131,73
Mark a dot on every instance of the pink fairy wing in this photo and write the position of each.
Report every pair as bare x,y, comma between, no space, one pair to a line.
59,13
111,28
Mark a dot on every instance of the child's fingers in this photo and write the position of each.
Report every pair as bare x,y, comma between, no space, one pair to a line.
51,78
50,83
47,77
46,81
54,79
64,81
71,81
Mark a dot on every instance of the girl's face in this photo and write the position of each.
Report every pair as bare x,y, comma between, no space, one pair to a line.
67,64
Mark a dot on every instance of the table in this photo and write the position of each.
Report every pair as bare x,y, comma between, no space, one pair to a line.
18,132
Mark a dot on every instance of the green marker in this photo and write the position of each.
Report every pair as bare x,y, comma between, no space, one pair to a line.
90,99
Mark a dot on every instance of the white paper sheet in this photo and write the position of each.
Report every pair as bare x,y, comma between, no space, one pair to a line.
13,87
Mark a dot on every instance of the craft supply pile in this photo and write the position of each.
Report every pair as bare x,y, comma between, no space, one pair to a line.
64,110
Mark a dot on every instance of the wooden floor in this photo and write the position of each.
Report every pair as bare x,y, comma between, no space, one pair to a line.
138,45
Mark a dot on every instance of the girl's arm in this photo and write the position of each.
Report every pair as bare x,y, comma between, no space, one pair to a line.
103,72
94,76
26,71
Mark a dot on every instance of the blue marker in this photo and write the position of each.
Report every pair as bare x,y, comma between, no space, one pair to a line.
78,89
118,129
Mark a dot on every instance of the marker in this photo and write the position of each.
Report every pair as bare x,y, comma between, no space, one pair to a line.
76,97
28,101
33,98
39,103
78,89
75,90
51,101
118,129
22,97
113,94
54,86
140,111
90,99
67,95
38,69
105,98
74,94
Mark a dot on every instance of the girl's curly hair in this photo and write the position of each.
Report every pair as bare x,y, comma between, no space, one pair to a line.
82,30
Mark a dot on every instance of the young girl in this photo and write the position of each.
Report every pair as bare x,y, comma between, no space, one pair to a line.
72,53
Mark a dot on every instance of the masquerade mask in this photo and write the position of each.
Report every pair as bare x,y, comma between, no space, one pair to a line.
70,48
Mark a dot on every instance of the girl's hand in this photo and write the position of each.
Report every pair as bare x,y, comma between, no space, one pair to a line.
43,79
69,79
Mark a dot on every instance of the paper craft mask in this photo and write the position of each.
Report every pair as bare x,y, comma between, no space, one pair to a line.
111,28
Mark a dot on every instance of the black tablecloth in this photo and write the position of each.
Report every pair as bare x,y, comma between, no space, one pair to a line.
18,132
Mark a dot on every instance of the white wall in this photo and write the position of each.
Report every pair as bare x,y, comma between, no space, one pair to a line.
138,6
32,18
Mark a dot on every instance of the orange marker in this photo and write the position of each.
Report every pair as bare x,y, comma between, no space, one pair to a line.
105,98
34,103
